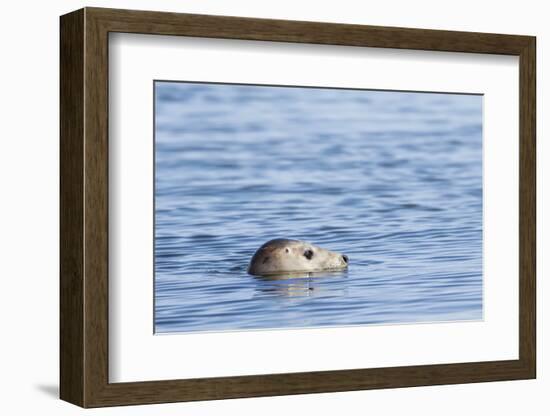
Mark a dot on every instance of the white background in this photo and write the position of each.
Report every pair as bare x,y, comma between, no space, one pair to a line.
135,60
29,210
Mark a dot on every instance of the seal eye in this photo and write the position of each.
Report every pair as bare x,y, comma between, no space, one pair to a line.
308,254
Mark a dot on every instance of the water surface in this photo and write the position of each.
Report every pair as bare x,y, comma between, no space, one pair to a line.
392,179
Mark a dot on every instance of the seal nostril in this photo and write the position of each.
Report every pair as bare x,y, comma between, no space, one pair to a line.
346,258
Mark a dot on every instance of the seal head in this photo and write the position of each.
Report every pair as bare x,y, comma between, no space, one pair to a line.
294,256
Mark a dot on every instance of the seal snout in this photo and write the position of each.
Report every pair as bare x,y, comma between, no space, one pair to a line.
345,258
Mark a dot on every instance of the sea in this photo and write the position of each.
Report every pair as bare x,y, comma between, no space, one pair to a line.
392,179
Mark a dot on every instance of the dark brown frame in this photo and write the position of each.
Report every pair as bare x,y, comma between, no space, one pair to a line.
84,207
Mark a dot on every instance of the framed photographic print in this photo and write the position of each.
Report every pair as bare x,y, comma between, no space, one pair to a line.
255,207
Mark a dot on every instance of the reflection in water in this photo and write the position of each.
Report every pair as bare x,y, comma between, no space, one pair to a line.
299,284
391,179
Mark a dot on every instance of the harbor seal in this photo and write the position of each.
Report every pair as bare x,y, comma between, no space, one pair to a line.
294,256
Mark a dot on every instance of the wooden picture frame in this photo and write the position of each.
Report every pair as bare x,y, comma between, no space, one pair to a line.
84,207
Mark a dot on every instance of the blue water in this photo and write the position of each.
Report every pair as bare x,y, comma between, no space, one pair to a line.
392,179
